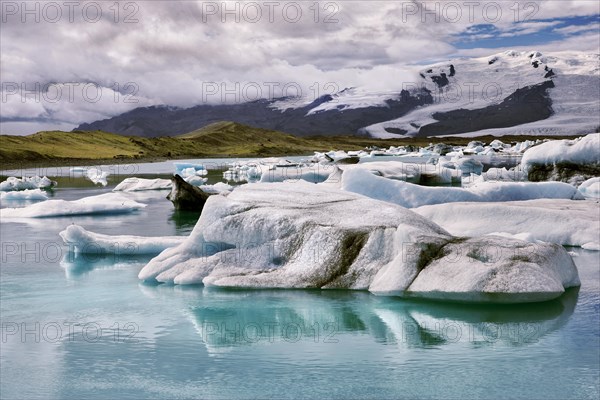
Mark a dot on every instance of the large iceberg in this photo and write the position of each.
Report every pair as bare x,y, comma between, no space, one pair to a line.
566,222
108,203
564,160
80,240
301,235
140,184
26,183
410,195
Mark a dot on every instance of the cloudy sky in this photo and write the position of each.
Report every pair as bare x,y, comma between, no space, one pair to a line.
63,63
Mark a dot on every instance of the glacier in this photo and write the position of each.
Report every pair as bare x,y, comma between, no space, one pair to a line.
302,235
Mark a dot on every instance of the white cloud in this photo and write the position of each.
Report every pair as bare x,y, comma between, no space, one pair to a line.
176,48
574,29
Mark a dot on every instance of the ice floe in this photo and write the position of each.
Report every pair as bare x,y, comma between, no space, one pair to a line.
27,194
185,169
300,235
410,195
410,172
80,240
108,203
591,188
315,173
26,183
566,222
94,174
140,184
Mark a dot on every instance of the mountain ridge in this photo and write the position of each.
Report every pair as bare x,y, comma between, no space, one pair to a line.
535,94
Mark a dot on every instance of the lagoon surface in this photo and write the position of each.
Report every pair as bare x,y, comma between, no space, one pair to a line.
86,327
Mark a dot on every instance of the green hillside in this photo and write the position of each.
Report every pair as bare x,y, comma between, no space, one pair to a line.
221,139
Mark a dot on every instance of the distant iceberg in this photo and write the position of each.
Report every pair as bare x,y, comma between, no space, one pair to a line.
94,174
572,161
26,183
410,195
108,203
140,184
27,194
583,150
301,235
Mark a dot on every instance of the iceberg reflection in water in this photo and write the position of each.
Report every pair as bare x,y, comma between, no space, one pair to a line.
233,318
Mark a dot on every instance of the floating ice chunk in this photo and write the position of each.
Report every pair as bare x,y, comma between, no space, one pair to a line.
140,184
411,172
195,180
469,166
315,173
32,182
244,172
108,203
184,169
583,150
591,188
80,240
27,194
595,246
300,235
411,195
94,174
219,188
565,222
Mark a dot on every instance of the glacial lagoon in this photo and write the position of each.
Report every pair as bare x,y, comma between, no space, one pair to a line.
84,326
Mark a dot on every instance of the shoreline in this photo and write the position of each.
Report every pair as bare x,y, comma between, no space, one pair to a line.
320,144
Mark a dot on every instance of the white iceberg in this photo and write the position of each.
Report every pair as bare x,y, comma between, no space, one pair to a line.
217,188
315,173
244,171
80,240
566,222
26,183
411,172
94,174
583,150
108,203
195,180
591,188
140,184
410,195
185,169
300,235
27,194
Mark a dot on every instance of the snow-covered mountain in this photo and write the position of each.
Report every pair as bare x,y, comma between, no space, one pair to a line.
505,93
568,84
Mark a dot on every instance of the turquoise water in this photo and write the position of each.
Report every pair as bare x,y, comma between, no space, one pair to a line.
85,327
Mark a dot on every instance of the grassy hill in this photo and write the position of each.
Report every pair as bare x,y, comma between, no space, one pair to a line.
221,139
